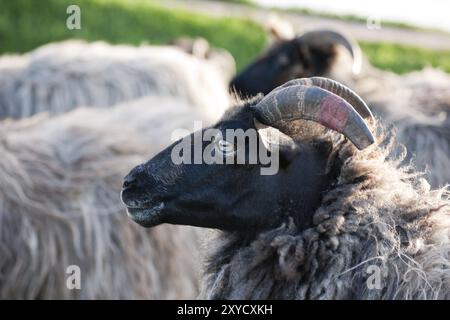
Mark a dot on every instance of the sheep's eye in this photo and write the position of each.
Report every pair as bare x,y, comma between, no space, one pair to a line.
225,148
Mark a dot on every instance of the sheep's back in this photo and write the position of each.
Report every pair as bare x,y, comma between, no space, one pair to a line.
60,191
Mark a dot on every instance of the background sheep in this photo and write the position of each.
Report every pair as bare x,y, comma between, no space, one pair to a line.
60,206
57,78
418,104
317,53
312,230
61,76
200,48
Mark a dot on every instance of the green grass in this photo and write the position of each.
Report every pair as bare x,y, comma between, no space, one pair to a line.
27,24
246,2
402,59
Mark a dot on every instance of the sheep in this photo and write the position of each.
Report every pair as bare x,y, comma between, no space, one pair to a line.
339,220
60,206
201,48
417,104
324,53
58,77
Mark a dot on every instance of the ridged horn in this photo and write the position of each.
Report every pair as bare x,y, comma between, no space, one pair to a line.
338,89
320,37
316,104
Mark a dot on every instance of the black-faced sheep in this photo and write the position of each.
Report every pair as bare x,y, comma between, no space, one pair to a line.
418,104
61,76
317,53
334,222
60,206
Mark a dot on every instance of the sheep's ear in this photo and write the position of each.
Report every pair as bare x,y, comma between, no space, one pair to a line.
272,138
281,30
198,47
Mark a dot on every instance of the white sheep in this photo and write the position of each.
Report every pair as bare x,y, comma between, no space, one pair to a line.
58,77
60,206
46,183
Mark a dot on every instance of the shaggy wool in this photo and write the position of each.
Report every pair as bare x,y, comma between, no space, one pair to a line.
60,183
418,104
61,76
378,215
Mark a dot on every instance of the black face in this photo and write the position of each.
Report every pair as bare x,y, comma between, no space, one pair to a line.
228,196
286,61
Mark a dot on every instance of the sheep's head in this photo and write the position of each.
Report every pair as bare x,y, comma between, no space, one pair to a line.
230,190
315,53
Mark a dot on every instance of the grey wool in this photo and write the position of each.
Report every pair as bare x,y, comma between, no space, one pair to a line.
60,206
380,216
61,76
418,105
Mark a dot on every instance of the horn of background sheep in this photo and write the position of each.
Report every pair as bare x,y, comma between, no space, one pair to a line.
335,87
315,104
320,37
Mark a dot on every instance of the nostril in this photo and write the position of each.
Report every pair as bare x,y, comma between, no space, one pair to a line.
128,181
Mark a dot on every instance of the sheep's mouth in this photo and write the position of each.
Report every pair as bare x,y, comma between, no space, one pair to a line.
146,216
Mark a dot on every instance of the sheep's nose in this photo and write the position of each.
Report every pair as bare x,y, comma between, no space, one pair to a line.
133,178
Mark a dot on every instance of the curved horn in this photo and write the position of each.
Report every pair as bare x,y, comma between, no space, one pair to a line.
338,89
320,37
315,104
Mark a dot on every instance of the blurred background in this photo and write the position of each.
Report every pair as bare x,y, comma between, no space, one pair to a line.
393,35
62,172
